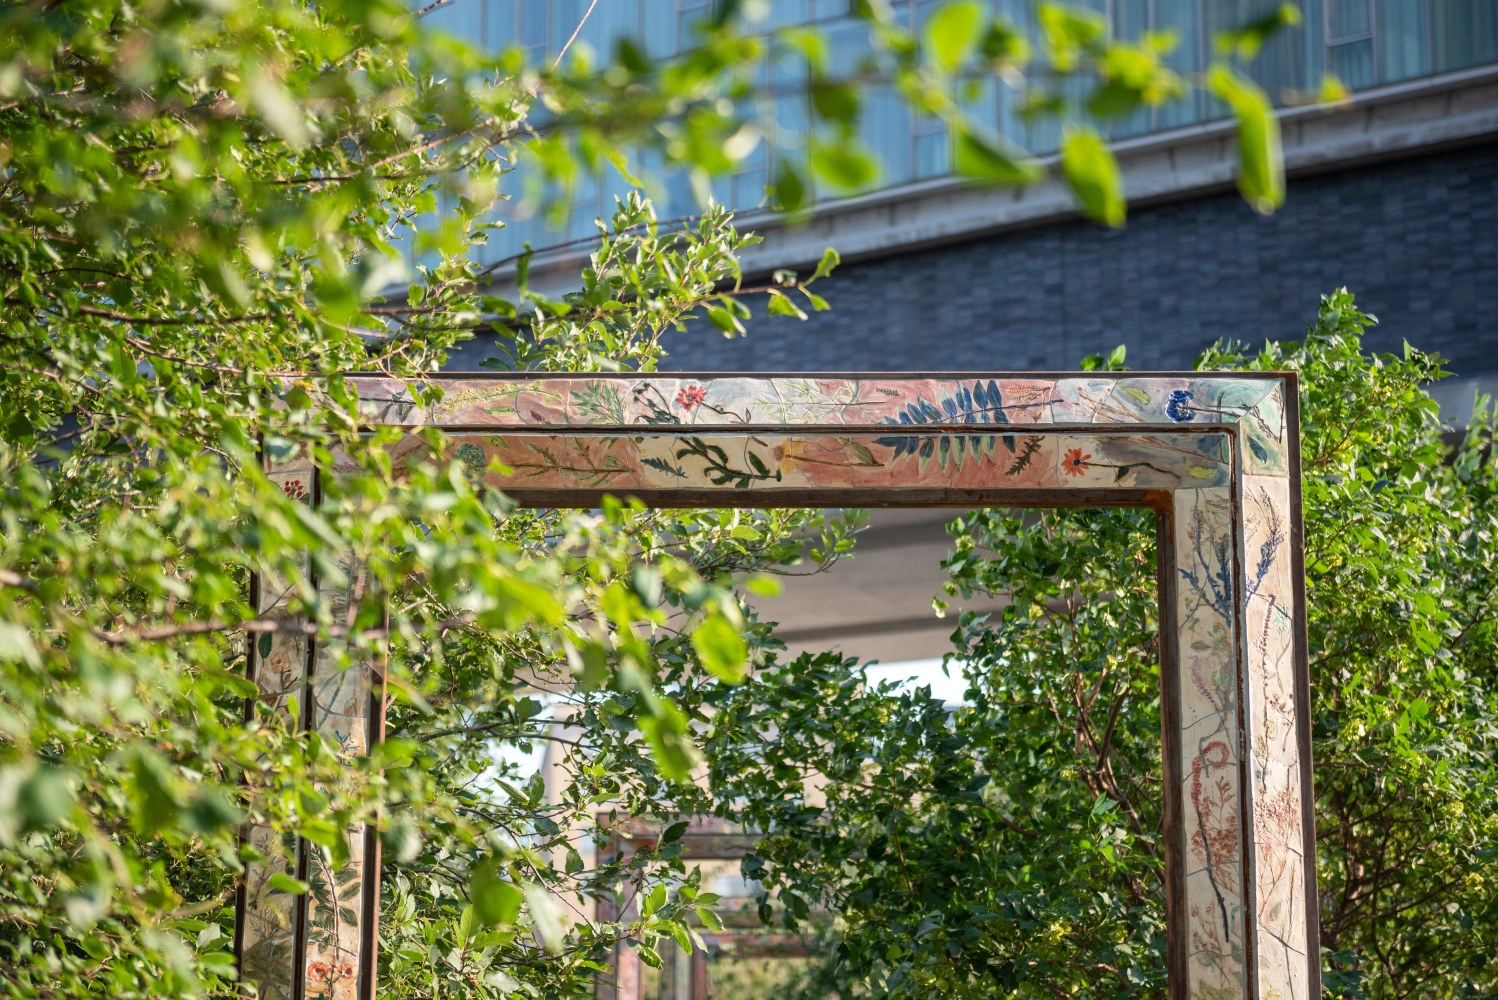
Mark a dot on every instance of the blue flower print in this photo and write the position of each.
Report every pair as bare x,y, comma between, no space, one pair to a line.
1178,408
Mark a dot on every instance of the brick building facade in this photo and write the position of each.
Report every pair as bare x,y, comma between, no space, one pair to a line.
1415,239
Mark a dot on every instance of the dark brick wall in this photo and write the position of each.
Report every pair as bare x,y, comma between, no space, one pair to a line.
1416,240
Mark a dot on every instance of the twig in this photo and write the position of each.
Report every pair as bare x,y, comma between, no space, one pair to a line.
575,32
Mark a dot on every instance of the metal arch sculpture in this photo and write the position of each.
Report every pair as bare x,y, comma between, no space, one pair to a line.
1216,456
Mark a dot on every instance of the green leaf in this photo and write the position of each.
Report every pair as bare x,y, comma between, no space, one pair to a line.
1093,175
155,791
952,33
724,320
665,728
277,107
762,585
282,882
843,165
1246,41
789,187
1332,90
647,954
547,916
1003,44
987,160
496,900
817,303
45,797
721,650
810,43
16,644
1069,31
780,305
209,811
646,581
1261,168
830,259
835,102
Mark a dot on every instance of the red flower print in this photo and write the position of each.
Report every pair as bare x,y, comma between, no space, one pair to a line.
1075,463
323,975
294,489
690,396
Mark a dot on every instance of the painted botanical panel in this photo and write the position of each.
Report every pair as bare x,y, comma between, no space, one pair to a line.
1043,458
1274,765
268,921
1212,811
333,916
1221,447
278,667
340,707
828,401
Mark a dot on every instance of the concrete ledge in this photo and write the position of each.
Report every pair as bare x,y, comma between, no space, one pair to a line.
1380,124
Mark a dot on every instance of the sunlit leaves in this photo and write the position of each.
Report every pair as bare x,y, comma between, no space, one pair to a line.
665,727
1261,169
38,800
843,165
496,899
984,159
721,649
953,32
267,97
789,188
1246,40
1093,175
1070,32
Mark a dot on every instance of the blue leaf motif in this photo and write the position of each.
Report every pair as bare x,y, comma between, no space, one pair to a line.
980,403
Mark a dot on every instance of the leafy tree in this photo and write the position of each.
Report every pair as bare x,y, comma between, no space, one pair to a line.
1011,846
204,208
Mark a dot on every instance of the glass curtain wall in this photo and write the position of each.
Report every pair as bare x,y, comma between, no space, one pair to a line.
1366,43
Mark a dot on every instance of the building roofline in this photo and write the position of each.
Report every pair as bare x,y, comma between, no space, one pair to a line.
1379,124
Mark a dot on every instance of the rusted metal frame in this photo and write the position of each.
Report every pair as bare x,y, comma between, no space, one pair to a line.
304,724
369,872
694,845
363,971
623,980
241,887
699,975
633,834
1302,653
1245,776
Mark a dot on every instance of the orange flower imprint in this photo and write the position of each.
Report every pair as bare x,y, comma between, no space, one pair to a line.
1075,463
321,975
690,396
